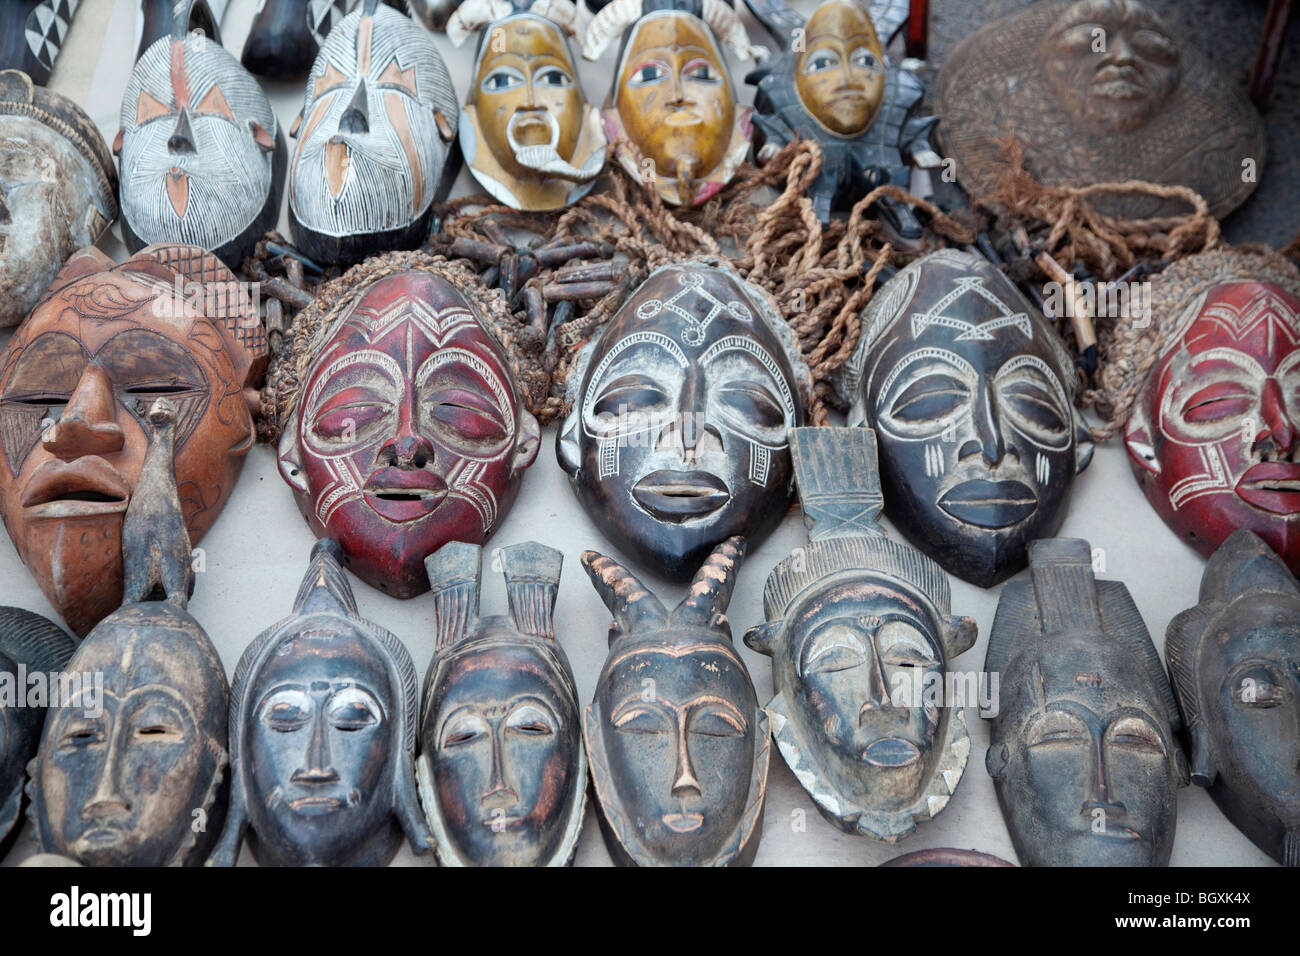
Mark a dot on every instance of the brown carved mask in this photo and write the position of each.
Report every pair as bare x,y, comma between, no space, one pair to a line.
409,431
76,380
840,74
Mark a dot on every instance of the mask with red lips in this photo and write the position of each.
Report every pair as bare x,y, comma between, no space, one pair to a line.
1214,439
408,431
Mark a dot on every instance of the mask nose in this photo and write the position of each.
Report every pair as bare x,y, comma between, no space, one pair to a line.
1278,437
182,137
356,118
107,802
88,426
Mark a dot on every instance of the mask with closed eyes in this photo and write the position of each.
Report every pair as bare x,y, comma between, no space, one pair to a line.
677,742
860,635
1235,663
375,139
1082,748
676,438
971,395
502,771
1215,434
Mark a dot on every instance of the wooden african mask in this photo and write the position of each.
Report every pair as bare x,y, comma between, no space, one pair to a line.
860,636
502,771
322,735
132,772
971,395
32,33
834,84
375,139
677,743
76,381
1235,663
1098,91
286,35
33,652
1082,749
58,189
409,431
527,132
672,112
1214,436
202,155
676,437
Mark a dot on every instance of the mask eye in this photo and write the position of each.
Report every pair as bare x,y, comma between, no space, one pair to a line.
700,71
864,59
1056,728
353,709
835,647
214,102
554,77
532,721
82,734
717,722
752,403
819,61
464,728
648,73
631,393
902,645
395,76
1217,402
352,412
327,81
1135,735
639,720
287,711
1259,688
502,80
929,398
158,725
464,415
149,108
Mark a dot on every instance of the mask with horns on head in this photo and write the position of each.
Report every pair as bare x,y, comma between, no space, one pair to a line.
677,742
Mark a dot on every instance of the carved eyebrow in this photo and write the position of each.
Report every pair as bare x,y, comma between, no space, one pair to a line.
632,707
1230,355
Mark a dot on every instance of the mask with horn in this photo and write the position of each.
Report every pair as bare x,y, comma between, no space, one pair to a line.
502,771
677,742
527,132
860,636
132,767
322,714
201,152
672,112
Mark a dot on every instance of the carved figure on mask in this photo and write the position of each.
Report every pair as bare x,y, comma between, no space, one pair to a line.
677,742
1082,749
837,86
1214,436
322,735
526,130
502,771
58,189
76,381
1098,91
971,395
1235,663
126,767
672,112
376,138
861,637
408,430
679,408
202,155
286,35
156,19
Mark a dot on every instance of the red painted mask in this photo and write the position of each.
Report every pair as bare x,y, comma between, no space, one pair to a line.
1213,438
408,432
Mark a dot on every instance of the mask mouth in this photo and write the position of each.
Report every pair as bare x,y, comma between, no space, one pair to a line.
678,496
400,494
103,836
683,822
891,753
83,486
990,504
316,805
542,157
1273,486
1119,82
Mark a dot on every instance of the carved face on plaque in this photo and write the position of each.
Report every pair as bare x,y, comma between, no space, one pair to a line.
408,431
672,111
76,381
1235,664
502,770
677,434
970,393
375,138
1082,753
840,74
527,132
677,742
858,627
323,713
57,189
201,152
31,648
1214,435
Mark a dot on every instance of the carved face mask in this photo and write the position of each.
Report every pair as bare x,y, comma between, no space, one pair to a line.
858,628
677,435
322,715
201,152
31,649
131,761
840,74
75,383
409,431
677,742
1235,664
502,771
58,189
375,146
672,112
971,396
1214,436
1082,753
529,136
